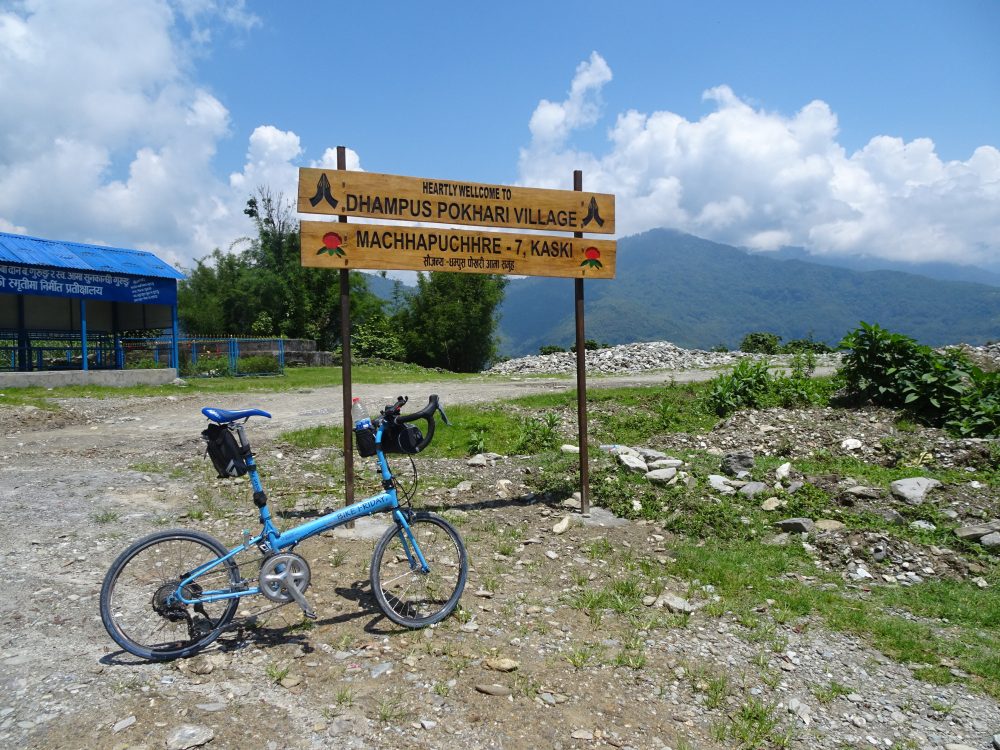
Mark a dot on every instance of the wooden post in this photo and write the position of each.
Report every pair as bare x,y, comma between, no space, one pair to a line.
345,353
581,377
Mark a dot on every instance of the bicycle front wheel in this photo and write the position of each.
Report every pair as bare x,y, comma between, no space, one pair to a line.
138,606
408,594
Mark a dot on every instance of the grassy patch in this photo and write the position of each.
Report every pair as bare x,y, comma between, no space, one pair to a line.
746,573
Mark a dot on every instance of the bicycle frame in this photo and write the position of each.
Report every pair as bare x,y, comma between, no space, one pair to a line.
271,540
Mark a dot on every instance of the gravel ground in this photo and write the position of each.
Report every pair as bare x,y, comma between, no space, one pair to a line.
518,669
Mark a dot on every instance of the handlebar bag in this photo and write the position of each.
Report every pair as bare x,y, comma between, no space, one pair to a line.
227,456
400,438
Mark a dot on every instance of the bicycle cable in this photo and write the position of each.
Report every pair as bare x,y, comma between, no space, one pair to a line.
408,493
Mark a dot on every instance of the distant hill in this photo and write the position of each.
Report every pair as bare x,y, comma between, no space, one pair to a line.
699,294
939,271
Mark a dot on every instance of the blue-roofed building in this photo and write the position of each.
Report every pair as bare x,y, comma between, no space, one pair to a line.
65,305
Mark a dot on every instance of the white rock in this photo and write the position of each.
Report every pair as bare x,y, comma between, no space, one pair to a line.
563,525
783,471
661,476
632,463
188,735
569,448
851,444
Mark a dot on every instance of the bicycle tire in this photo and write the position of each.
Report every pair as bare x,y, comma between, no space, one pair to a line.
404,593
133,609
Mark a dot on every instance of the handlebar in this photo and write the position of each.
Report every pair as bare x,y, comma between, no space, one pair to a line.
393,412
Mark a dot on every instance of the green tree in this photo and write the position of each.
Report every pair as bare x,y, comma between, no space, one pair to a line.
262,289
451,320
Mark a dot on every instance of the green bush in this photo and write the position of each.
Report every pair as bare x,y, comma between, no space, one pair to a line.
760,342
550,349
590,345
751,386
258,364
806,345
377,337
205,366
892,370
746,387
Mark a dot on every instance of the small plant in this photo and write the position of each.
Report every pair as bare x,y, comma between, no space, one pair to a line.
442,688
276,673
337,558
537,435
580,657
754,725
599,549
105,516
391,711
829,693
477,442
344,697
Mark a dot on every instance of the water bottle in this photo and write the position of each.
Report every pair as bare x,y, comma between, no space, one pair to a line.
360,415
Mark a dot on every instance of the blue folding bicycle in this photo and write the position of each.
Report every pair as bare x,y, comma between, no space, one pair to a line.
173,592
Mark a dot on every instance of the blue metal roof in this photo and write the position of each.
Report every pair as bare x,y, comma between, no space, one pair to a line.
32,251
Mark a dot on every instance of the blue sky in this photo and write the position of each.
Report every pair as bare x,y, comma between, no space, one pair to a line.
848,128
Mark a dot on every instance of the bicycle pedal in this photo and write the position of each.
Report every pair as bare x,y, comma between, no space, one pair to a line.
307,610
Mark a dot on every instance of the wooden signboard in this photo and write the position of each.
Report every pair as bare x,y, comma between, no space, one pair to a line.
328,244
398,198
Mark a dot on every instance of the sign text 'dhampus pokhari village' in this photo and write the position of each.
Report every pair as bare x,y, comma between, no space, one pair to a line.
413,199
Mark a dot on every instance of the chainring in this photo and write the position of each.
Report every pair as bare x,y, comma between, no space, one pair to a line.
281,571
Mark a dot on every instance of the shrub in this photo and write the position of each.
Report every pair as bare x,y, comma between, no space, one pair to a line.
589,345
751,386
806,345
760,342
377,337
206,366
746,387
258,364
893,370
550,349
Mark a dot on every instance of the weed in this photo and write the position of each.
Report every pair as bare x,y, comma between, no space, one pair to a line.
345,697
391,711
580,657
828,693
105,516
337,558
599,549
755,725
276,673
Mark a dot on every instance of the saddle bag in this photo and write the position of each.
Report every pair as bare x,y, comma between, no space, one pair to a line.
228,458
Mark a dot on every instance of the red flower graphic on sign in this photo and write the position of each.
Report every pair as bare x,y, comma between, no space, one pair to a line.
592,254
332,243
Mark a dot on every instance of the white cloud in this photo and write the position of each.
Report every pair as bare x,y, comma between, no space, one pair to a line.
105,138
553,121
761,179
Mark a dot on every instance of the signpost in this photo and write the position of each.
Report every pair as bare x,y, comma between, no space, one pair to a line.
408,247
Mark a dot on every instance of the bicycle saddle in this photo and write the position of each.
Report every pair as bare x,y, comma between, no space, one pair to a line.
224,416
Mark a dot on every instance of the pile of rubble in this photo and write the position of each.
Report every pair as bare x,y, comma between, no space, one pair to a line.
632,358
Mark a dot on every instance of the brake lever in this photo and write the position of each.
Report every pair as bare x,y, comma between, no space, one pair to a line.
444,417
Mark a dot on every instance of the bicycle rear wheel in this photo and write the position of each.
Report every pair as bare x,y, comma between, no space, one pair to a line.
407,594
137,608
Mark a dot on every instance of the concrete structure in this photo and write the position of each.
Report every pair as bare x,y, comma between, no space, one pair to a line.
120,378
